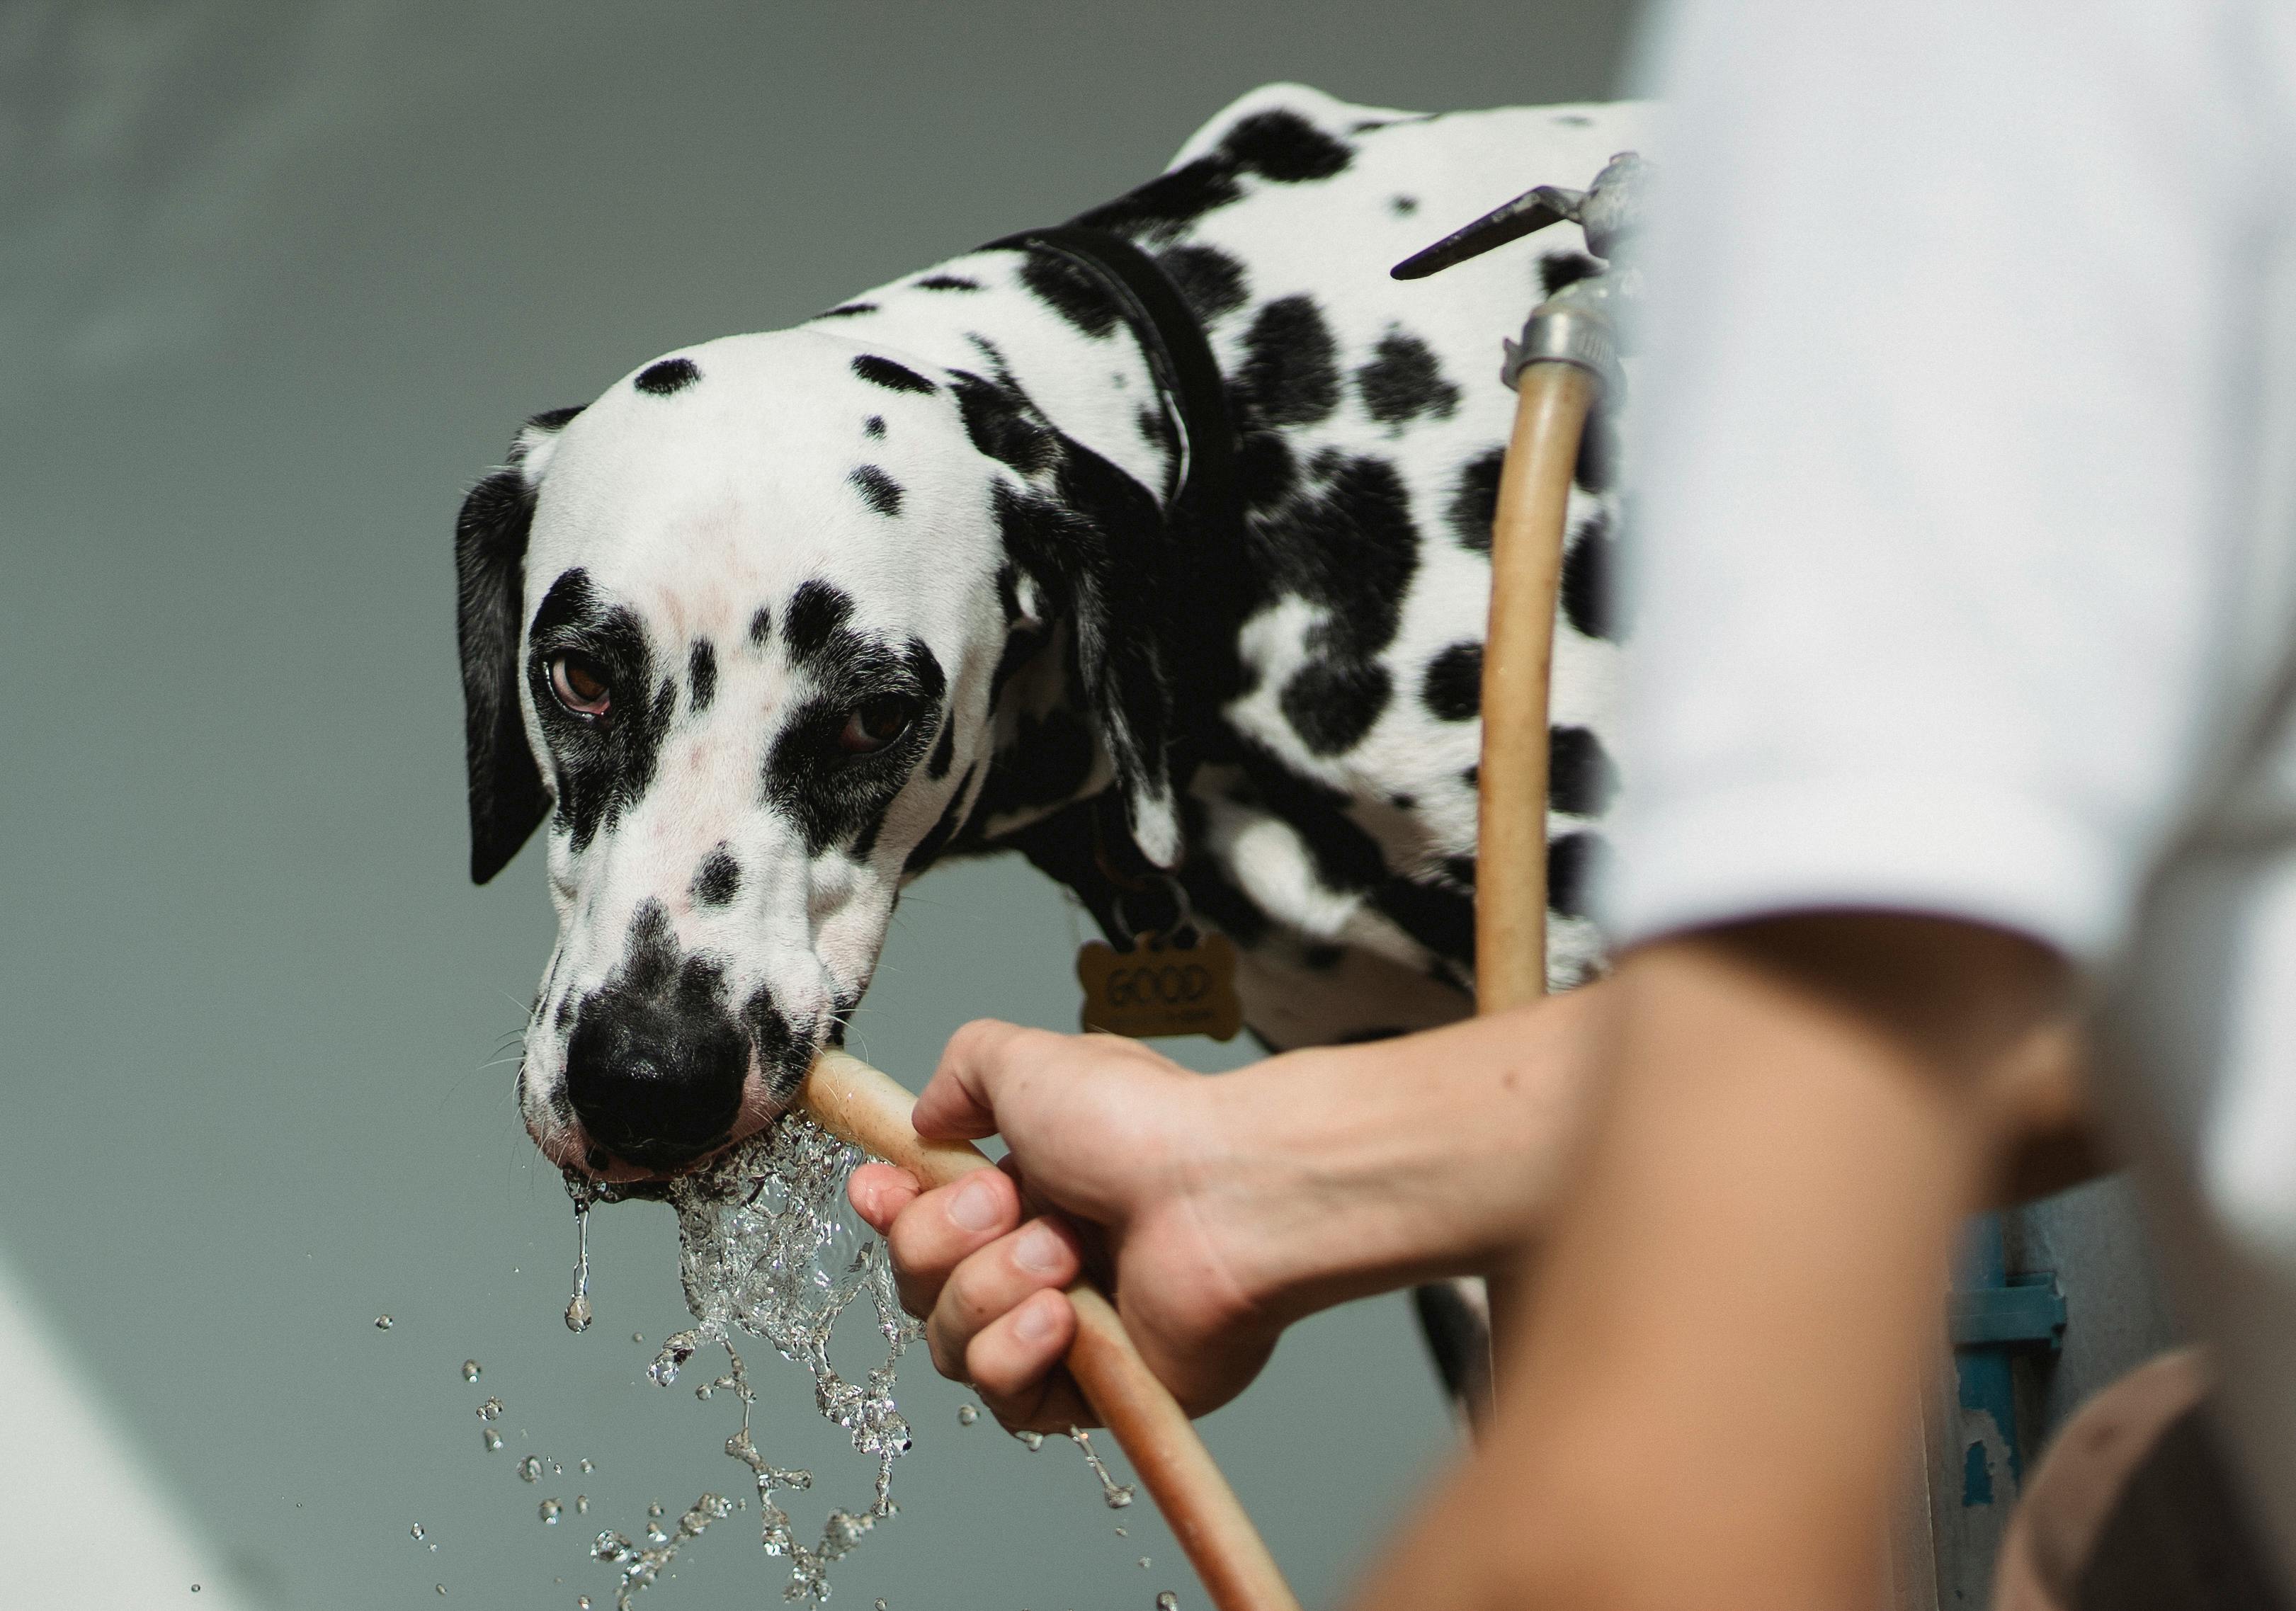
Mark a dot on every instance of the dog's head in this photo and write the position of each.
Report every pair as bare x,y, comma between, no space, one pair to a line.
751,631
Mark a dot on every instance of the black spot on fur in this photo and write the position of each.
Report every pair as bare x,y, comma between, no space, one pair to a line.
874,427
669,376
1323,959
1265,472
1008,592
783,1056
848,310
832,796
1211,281
1169,203
1003,424
1404,802
1403,207
1475,500
1460,870
761,626
1048,763
1440,918
1403,381
605,766
1587,587
701,672
815,619
879,490
1071,291
719,878
891,376
1573,865
1558,269
1156,430
947,282
1285,147
1346,544
1332,703
1451,688
944,829
1580,777
1472,777
944,753
1289,373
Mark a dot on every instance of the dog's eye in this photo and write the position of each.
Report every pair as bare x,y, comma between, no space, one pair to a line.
581,685
876,723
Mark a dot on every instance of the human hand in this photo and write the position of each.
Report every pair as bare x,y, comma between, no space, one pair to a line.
1120,1163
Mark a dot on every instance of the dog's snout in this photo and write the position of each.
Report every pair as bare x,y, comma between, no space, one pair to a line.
656,1082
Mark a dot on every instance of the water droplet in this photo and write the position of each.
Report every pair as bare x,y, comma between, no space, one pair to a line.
415,1532
551,1511
493,1437
581,1602
195,1588
440,1587
529,1469
966,1415
881,1603
1167,1601
382,1322
587,1467
1120,1533
1143,1563
581,1504
1034,1440
578,1313
470,1370
491,1410
638,1337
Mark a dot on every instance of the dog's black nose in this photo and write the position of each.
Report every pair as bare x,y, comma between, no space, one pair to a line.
656,1081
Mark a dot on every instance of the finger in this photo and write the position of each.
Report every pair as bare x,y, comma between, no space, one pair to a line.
1015,1364
959,1101
879,1192
941,1228
995,1282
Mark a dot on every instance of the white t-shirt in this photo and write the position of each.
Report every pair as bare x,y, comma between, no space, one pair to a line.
1965,573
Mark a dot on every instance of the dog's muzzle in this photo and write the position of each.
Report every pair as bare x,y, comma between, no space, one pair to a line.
656,1083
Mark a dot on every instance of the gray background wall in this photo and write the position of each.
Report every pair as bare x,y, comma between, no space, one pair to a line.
275,282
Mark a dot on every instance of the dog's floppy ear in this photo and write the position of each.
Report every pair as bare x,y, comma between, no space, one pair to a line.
1069,547
507,797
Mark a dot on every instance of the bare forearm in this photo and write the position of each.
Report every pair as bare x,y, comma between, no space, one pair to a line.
1363,1168
1732,1309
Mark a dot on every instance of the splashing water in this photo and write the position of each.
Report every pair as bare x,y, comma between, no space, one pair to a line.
767,1249
578,1307
529,1469
1116,1494
382,1322
491,1410
1034,1440
966,1415
492,1439
1167,1601
470,1370
551,1510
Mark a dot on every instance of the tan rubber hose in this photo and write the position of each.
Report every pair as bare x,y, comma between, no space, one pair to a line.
856,1103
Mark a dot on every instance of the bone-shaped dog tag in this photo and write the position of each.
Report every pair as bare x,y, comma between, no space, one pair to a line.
1158,989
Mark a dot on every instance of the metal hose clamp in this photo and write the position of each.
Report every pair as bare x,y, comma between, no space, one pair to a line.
1567,330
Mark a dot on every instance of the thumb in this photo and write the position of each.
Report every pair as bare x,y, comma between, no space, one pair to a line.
959,1102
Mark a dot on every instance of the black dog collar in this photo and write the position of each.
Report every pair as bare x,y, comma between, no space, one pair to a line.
1177,351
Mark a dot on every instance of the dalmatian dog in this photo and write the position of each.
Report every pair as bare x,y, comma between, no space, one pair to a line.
782,620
